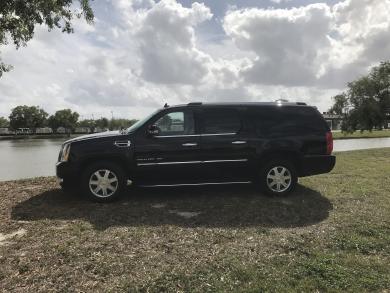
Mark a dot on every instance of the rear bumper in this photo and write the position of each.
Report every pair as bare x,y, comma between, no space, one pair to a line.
314,165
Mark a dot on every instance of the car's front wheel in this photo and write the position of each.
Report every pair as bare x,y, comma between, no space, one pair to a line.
103,182
278,177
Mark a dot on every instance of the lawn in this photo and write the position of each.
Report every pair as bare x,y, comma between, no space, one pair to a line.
360,134
331,234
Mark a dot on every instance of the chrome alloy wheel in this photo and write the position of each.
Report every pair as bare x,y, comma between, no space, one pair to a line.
279,179
103,183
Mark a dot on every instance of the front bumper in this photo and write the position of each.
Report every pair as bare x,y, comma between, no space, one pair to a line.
314,165
66,172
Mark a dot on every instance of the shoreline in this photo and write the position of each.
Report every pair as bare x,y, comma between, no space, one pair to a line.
38,136
64,136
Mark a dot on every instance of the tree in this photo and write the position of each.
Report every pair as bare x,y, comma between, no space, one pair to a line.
4,123
89,123
27,117
366,103
116,124
340,105
63,118
102,123
18,19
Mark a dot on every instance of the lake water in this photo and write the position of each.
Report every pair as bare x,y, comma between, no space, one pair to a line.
28,158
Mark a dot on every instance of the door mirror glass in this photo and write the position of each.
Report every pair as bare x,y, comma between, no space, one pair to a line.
153,130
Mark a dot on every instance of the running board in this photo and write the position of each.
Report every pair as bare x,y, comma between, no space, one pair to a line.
196,184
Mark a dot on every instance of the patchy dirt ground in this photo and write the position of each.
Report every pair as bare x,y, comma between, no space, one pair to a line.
332,233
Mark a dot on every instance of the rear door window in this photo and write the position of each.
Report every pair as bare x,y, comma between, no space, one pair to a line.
221,121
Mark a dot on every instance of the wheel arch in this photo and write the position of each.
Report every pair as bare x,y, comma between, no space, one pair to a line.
294,157
120,162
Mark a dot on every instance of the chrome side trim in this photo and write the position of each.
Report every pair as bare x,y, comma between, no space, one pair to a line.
218,134
171,136
197,184
169,163
194,135
225,161
191,162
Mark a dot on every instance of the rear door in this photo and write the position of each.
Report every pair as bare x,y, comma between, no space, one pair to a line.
172,155
224,145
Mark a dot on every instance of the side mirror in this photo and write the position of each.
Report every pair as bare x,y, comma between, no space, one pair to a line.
153,130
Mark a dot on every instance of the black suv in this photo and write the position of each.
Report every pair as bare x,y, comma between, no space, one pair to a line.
271,144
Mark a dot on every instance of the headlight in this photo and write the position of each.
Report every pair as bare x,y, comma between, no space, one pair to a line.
65,151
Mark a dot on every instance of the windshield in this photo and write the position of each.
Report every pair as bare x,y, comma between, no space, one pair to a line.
141,122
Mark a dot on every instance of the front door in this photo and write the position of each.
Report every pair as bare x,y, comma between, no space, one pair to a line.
171,155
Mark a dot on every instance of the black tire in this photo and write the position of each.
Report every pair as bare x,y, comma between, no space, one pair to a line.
116,172
269,186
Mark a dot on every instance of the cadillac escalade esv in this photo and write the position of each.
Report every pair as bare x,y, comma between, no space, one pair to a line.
271,144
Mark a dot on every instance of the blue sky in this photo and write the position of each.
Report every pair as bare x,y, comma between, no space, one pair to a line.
140,54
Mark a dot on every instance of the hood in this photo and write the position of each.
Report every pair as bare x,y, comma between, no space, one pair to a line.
96,135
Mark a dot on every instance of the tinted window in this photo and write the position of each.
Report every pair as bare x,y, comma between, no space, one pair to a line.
274,121
218,121
176,123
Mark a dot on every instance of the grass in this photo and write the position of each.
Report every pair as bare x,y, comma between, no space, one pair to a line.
331,234
362,134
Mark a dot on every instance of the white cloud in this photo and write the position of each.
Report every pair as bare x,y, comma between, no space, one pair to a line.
315,45
290,44
167,43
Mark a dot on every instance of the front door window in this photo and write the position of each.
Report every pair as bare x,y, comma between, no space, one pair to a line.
176,123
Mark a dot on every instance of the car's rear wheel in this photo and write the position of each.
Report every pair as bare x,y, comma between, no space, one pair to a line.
278,177
103,182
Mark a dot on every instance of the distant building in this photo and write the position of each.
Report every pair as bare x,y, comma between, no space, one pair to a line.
98,129
82,130
5,131
61,130
334,121
23,131
43,130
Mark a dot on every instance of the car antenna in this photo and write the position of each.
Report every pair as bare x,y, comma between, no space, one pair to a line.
166,105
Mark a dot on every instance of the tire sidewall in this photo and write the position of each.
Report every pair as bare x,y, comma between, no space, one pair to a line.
274,163
117,170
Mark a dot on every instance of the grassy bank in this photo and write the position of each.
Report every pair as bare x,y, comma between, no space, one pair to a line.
364,134
332,234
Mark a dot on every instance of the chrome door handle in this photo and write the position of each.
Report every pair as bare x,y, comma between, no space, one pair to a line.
190,144
122,143
239,142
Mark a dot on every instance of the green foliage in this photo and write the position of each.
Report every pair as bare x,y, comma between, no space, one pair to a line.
27,117
102,123
366,103
121,123
20,17
340,104
63,118
4,123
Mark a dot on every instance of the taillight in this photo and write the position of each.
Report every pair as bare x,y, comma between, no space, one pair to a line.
329,143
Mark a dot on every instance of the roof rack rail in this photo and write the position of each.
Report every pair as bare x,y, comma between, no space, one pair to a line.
195,104
301,104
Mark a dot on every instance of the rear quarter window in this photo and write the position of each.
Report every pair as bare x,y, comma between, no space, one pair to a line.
287,120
